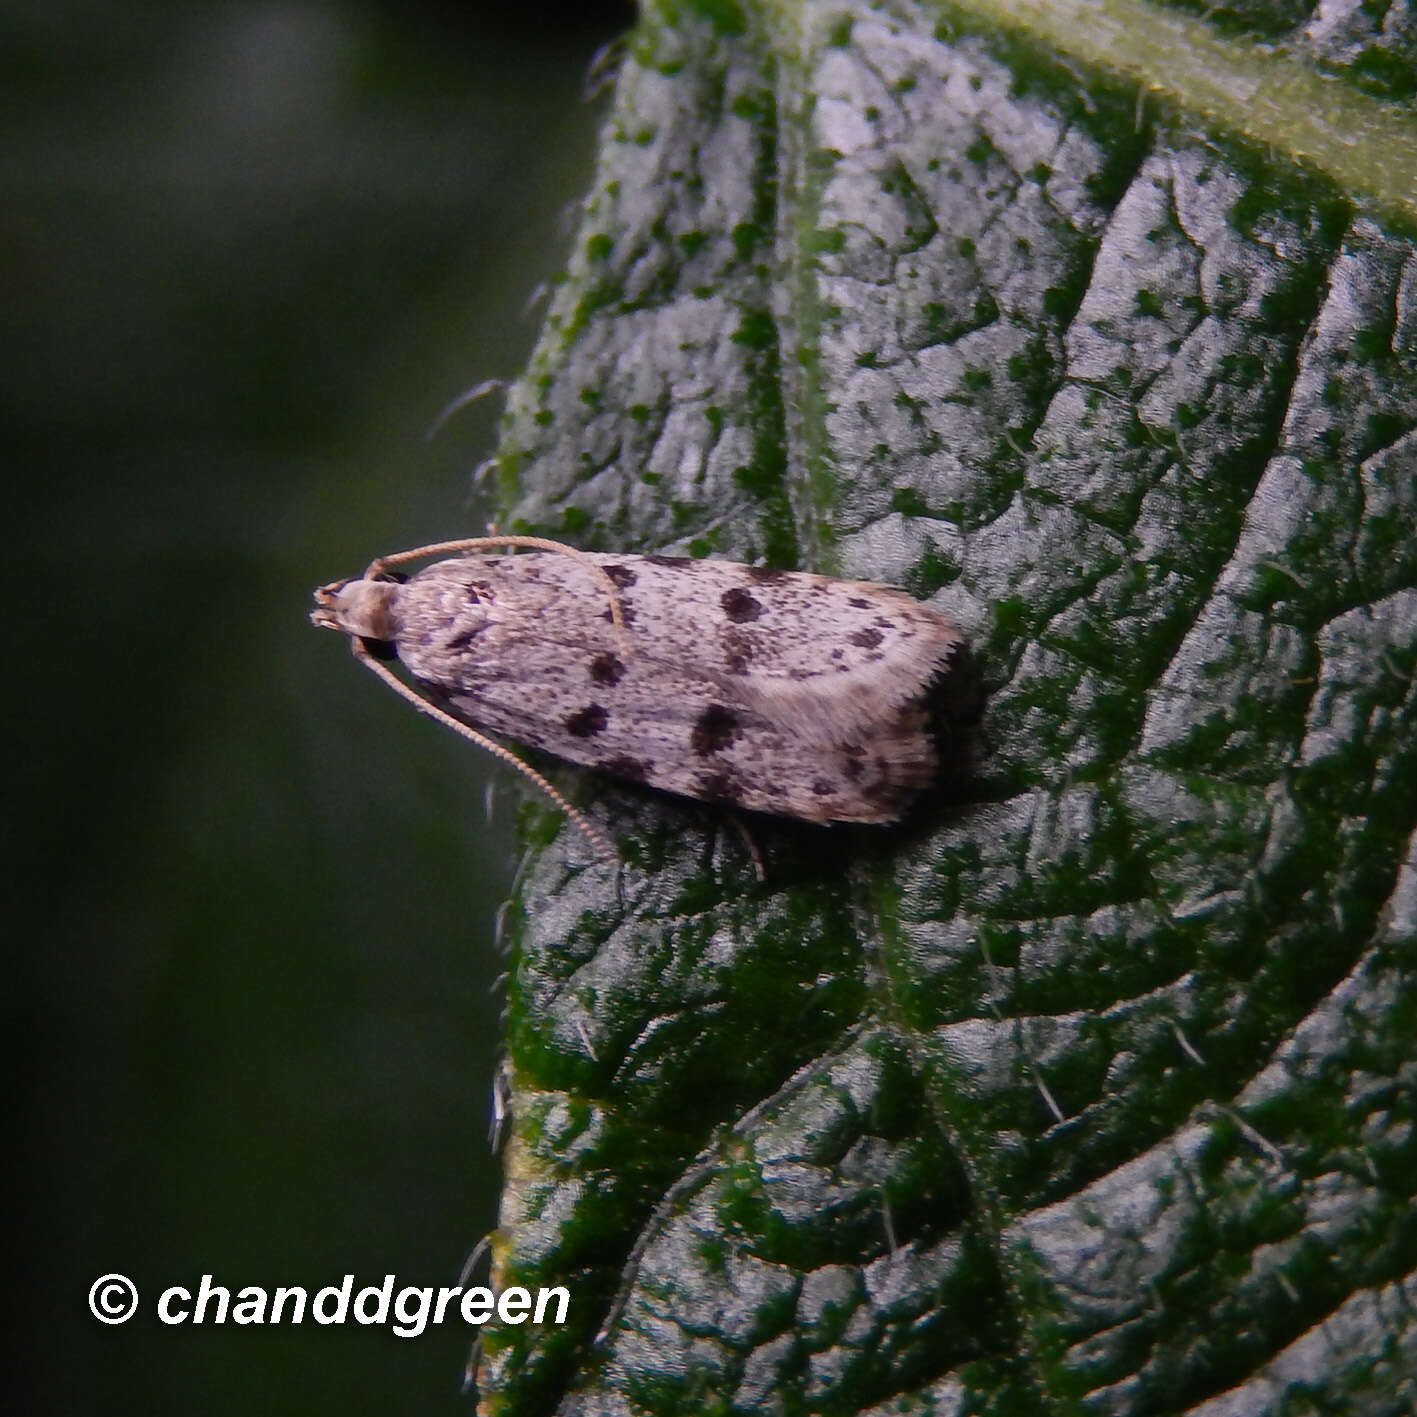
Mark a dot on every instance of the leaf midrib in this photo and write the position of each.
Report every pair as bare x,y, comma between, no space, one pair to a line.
1364,144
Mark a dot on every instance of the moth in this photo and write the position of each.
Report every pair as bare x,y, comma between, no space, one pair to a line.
777,691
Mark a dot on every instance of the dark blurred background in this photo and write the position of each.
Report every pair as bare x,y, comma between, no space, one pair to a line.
247,252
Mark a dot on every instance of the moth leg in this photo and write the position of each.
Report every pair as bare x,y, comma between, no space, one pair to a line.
750,842
380,565
431,710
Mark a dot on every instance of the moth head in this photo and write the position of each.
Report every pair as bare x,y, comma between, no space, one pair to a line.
368,609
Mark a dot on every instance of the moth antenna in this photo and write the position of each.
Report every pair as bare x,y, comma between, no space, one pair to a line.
378,566
431,710
463,400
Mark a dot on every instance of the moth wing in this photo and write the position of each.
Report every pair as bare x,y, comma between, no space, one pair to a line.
525,646
831,657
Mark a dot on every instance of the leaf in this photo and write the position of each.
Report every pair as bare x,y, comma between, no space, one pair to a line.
1092,1086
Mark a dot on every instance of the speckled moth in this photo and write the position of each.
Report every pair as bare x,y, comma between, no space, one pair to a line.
781,692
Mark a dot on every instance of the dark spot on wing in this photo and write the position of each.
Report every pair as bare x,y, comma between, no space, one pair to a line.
622,575
822,788
859,603
606,669
716,728
634,768
867,639
587,722
766,575
477,594
717,787
463,640
852,768
627,612
675,563
882,789
739,606
738,649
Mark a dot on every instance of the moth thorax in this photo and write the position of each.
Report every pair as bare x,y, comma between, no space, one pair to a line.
368,609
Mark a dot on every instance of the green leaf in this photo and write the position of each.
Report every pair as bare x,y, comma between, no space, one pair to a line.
1091,1087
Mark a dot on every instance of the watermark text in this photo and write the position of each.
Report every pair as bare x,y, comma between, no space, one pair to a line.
407,1311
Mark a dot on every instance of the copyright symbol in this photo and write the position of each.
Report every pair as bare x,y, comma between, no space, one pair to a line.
113,1299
